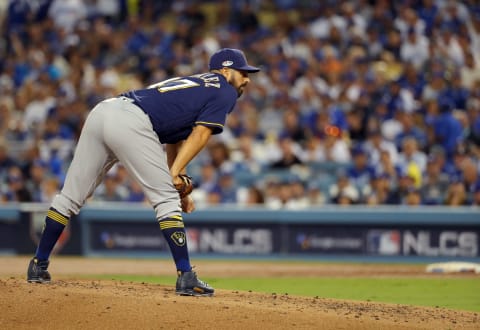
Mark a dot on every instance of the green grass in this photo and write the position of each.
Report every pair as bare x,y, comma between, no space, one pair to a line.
453,293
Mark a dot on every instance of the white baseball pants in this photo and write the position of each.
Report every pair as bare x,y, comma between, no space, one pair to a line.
118,130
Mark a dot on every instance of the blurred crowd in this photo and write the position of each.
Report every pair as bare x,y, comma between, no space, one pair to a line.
358,102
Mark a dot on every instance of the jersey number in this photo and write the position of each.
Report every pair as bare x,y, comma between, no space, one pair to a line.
173,84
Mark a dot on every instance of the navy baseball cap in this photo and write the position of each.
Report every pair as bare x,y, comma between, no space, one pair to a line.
231,58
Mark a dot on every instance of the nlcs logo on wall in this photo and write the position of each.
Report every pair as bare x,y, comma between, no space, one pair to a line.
384,242
230,240
433,243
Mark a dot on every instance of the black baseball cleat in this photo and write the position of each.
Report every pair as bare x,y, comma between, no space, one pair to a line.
37,271
188,284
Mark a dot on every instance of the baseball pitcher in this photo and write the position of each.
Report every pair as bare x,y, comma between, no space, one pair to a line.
181,113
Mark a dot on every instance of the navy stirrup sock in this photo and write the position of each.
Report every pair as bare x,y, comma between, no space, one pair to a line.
174,232
54,225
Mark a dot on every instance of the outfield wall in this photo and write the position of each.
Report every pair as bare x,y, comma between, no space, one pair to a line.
331,232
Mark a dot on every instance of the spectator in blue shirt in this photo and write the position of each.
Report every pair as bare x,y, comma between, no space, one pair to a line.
457,93
410,129
360,173
447,129
19,13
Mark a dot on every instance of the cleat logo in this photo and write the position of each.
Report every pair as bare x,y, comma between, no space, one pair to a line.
199,290
178,238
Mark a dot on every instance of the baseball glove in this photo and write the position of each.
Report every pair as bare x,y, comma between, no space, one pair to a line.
186,187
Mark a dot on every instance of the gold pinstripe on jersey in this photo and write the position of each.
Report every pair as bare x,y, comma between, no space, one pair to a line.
208,123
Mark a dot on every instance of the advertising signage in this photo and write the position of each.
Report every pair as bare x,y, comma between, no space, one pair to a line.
410,241
273,239
209,238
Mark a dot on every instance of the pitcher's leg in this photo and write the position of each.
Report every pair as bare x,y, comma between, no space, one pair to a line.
137,147
131,138
91,161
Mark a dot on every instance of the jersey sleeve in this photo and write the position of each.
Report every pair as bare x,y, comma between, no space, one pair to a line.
214,114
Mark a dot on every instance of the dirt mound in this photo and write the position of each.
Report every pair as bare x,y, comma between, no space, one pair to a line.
70,303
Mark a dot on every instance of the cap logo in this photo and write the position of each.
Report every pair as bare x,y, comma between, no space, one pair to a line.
227,63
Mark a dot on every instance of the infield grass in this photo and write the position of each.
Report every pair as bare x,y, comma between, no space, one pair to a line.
453,293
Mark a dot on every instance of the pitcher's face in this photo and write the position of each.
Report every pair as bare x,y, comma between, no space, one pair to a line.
239,79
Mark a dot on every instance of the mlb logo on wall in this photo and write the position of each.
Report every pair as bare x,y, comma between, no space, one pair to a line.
383,242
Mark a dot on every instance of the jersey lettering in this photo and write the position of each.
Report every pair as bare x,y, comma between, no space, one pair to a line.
173,84
216,85
210,79
176,105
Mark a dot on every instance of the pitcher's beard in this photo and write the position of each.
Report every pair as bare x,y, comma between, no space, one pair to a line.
240,91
